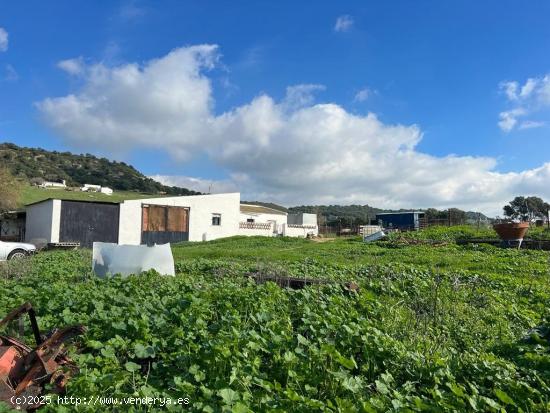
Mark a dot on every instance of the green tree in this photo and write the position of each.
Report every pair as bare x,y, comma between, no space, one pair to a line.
10,190
527,208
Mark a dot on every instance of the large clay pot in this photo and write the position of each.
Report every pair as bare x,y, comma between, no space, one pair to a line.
510,231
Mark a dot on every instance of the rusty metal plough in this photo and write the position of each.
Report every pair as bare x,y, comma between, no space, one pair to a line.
25,371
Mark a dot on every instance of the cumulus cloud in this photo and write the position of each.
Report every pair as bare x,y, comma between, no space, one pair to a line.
509,119
3,40
165,102
531,97
291,151
343,23
299,96
73,67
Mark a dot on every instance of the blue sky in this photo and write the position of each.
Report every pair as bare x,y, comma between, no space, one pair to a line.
453,69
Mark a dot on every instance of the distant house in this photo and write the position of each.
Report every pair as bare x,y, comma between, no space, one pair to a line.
97,188
258,217
262,220
404,220
48,184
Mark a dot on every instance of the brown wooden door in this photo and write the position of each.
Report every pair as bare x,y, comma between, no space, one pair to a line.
162,224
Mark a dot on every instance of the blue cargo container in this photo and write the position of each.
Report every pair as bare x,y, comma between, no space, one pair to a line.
405,221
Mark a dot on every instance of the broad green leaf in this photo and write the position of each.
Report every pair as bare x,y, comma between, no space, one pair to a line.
229,396
131,366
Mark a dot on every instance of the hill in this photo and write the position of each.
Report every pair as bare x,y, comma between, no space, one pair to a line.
32,164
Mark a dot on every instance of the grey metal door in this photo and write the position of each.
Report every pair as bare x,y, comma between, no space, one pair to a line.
88,222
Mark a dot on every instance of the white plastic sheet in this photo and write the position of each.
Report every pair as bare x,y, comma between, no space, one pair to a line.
374,237
131,259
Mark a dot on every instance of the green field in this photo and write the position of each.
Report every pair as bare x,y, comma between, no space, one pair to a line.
434,326
31,194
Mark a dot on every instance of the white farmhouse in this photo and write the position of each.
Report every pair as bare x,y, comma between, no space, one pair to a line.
90,188
156,220
261,220
97,188
48,184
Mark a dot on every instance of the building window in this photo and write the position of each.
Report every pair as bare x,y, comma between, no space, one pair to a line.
216,219
251,220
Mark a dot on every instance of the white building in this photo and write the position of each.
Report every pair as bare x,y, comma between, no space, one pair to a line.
202,217
301,225
134,222
90,188
48,184
97,188
263,220
155,220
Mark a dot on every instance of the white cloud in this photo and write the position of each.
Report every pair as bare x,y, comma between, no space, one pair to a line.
531,97
10,74
510,89
130,11
73,67
292,151
299,96
362,95
164,103
531,124
509,119
343,23
198,184
3,40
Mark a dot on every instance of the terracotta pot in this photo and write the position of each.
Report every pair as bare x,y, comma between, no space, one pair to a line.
511,230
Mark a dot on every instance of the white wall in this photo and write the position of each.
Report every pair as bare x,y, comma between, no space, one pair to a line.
255,229
263,218
302,219
201,208
43,220
291,230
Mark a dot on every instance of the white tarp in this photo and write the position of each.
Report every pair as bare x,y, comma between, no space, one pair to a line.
374,237
110,258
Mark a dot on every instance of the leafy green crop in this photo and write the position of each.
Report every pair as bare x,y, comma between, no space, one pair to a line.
432,328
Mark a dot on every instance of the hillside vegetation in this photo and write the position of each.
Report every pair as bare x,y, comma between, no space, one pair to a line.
436,328
77,170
